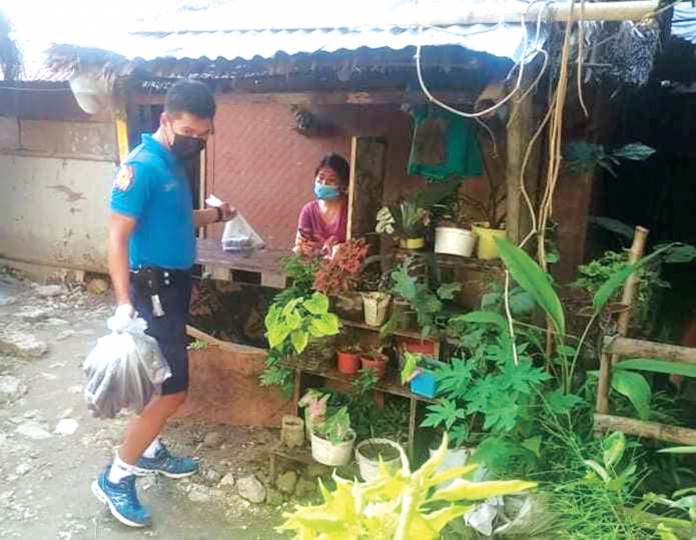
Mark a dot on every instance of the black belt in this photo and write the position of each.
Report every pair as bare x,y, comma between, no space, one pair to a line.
150,280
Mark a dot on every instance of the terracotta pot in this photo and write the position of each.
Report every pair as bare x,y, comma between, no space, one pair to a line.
348,363
378,363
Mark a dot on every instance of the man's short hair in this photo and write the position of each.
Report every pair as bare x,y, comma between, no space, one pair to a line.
191,97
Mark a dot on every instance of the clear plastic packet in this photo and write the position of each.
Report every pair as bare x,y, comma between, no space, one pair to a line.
240,237
124,371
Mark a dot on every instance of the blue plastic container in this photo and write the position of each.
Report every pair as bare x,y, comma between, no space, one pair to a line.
425,384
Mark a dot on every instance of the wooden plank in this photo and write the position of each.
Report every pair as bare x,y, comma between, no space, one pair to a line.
210,253
411,428
652,430
636,348
518,136
368,162
224,345
274,280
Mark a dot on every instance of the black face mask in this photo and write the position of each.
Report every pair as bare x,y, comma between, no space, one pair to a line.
185,146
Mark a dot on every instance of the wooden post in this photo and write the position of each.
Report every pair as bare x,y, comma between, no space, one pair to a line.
351,186
122,137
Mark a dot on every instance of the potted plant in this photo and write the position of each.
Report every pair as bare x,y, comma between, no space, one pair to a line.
339,270
333,439
314,403
376,304
375,360
372,452
348,359
408,221
418,372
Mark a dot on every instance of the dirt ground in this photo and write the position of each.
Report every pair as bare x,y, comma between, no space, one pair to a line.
46,471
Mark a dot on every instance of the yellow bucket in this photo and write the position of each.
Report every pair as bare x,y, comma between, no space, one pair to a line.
486,248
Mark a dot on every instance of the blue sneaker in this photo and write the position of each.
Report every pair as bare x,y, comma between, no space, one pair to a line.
122,499
166,464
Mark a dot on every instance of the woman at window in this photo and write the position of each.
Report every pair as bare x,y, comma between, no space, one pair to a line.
324,220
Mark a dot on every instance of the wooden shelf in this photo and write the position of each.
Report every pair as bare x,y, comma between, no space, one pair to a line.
402,333
454,261
389,385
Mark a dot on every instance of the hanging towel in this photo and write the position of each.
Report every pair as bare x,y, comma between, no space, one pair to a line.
443,145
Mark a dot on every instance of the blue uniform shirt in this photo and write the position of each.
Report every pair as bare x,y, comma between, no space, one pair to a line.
151,187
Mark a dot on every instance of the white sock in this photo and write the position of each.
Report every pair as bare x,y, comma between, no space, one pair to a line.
151,450
119,470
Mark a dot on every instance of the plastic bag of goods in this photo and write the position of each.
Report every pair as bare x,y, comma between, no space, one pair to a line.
240,237
124,371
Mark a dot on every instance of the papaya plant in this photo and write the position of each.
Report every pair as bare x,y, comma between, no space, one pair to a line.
398,505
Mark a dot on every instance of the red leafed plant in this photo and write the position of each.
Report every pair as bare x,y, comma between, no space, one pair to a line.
339,271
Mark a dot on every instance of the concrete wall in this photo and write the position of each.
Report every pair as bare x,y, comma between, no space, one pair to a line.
55,179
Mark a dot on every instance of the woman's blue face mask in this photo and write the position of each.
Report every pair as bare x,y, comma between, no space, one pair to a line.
325,192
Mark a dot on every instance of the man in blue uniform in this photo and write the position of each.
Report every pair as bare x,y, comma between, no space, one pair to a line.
152,249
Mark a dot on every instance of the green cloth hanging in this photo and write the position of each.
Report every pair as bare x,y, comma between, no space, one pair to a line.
443,145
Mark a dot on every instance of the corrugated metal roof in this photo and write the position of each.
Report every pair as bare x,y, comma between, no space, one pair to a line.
684,22
504,40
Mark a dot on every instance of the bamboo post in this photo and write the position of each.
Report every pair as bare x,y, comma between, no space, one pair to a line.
466,14
652,430
624,347
604,381
629,291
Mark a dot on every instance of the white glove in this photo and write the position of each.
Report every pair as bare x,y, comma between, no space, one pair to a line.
122,318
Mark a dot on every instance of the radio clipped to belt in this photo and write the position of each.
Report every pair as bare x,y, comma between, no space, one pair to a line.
151,279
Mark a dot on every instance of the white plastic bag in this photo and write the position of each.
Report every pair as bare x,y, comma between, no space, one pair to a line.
123,371
239,237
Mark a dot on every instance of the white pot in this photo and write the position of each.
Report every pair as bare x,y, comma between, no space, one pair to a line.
369,468
454,241
334,455
376,305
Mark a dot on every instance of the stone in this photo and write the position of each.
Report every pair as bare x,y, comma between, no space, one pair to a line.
286,482
199,493
11,389
65,334
227,481
22,469
315,470
212,440
251,489
48,291
33,430
212,475
34,315
305,488
274,497
21,344
8,300
98,286
67,426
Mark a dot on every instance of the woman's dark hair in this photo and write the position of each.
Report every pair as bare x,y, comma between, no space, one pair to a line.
338,164
191,97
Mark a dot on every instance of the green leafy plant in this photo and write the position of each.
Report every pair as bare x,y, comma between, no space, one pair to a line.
484,389
407,220
336,426
593,275
427,304
198,345
398,505
583,156
289,328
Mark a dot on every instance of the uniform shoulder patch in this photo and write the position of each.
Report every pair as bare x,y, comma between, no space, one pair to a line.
124,178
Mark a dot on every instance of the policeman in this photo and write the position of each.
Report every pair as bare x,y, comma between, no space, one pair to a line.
152,248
